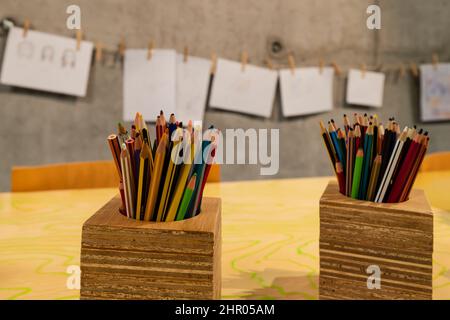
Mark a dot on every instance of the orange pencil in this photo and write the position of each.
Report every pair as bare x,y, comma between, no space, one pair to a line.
113,142
156,178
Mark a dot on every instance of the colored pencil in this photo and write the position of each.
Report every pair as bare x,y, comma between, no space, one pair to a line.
187,198
405,169
328,144
346,124
144,181
336,143
367,162
412,177
211,154
350,162
357,173
390,169
137,153
391,157
341,178
181,183
130,146
373,178
156,179
128,182
168,180
114,145
342,144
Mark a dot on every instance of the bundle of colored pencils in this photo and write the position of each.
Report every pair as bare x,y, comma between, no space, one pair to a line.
372,162
160,181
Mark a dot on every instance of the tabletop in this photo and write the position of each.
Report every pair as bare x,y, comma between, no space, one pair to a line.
270,232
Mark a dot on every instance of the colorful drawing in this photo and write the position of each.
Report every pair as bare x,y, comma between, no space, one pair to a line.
435,92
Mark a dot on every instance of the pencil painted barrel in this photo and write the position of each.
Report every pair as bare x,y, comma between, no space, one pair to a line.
362,242
122,258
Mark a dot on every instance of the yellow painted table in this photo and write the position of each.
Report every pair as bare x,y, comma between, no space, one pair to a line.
270,238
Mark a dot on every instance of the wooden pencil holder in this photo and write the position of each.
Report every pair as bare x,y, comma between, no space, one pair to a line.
123,258
362,242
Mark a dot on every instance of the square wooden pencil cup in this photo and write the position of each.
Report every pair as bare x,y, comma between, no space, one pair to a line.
123,258
362,242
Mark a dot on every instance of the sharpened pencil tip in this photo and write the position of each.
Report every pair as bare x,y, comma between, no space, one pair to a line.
191,184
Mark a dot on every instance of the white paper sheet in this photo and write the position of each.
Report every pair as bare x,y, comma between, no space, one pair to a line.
365,90
192,88
149,85
250,91
306,91
435,92
46,62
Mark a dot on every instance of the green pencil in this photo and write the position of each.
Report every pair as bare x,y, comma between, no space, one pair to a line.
186,198
357,173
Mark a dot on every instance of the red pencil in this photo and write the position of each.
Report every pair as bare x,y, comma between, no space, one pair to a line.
341,178
207,168
405,170
412,177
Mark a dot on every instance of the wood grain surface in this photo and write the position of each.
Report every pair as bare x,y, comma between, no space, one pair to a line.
124,258
398,238
270,233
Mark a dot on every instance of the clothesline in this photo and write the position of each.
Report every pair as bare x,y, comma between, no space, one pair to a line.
100,51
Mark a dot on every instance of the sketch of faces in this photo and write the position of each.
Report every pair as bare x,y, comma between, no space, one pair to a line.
68,58
47,53
25,49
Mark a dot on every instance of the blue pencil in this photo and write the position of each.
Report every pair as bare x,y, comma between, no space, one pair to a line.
368,141
336,144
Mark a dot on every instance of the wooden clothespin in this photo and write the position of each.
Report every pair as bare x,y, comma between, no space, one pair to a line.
244,60
98,51
268,63
291,62
414,69
337,70
79,36
122,47
151,45
321,64
26,26
213,62
363,70
434,60
185,54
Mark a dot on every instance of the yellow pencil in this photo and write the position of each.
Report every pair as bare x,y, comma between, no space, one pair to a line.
156,177
145,171
165,195
374,178
181,182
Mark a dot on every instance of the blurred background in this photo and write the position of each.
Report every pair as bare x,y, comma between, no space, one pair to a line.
40,128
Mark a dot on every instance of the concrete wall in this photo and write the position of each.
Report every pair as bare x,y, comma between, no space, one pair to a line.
39,128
